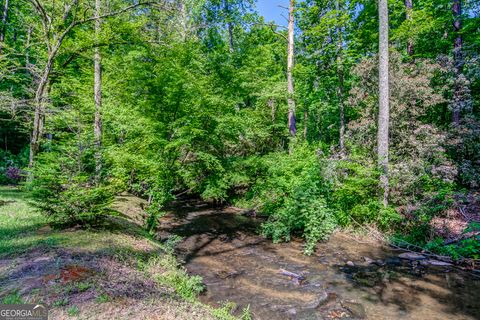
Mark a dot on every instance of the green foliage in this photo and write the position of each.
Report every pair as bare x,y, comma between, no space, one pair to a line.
152,221
103,298
201,109
225,312
13,298
73,311
307,194
291,192
467,248
83,286
159,197
355,193
60,302
418,233
169,272
188,287
64,196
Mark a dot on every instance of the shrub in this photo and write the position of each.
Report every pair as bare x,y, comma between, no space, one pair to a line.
307,194
10,167
73,203
291,191
13,173
355,195
64,196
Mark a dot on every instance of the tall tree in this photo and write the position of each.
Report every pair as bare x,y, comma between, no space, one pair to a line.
340,74
458,60
97,127
292,126
3,27
408,10
384,97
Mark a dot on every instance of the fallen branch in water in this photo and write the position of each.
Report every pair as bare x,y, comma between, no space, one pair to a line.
298,279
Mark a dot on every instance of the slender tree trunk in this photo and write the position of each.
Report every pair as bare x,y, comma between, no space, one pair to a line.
342,115
340,89
457,59
409,9
384,109
183,20
273,108
457,27
292,126
80,144
27,50
4,25
39,105
97,127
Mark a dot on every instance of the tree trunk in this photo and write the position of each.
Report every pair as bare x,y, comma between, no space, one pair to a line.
183,20
457,27
4,25
384,110
27,50
457,59
342,117
97,88
273,108
39,101
292,126
409,9
340,89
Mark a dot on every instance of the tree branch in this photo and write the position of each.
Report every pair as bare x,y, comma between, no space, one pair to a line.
46,21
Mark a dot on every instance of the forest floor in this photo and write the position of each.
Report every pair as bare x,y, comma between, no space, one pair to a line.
111,272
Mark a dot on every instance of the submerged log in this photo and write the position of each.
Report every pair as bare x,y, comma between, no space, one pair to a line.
297,278
411,256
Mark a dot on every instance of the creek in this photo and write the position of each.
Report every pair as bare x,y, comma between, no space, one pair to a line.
344,279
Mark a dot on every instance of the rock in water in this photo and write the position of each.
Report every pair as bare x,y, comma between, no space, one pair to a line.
350,264
437,263
368,260
292,312
356,309
411,256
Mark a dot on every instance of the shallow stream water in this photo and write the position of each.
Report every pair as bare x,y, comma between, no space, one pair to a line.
344,279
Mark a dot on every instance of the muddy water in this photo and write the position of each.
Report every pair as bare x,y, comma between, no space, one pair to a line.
341,282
